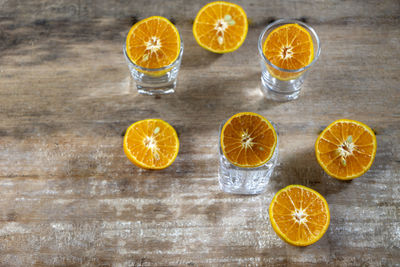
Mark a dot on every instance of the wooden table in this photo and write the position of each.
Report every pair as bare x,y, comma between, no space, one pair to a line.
69,195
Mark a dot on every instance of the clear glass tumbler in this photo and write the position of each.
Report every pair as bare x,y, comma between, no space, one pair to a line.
155,81
283,84
247,181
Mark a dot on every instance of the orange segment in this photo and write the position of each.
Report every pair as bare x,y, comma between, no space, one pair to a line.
153,43
248,140
299,215
151,144
290,47
220,27
346,149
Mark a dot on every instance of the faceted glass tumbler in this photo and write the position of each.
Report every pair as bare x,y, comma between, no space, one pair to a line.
283,84
247,181
155,81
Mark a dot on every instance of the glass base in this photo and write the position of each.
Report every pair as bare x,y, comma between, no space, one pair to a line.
244,183
278,96
161,89
155,85
280,90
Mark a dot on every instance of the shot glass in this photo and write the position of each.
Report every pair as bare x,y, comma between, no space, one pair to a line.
247,181
155,81
284,84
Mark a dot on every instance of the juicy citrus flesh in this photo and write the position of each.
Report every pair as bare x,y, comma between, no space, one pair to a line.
248,140
220,27
346,149
290,47
153,43
299,215
151,144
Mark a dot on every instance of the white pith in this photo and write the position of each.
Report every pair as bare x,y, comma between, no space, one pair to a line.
151,143
300,216
247,140
286,52
346,149
153,45
221,25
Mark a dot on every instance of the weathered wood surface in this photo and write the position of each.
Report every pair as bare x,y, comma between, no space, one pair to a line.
69,196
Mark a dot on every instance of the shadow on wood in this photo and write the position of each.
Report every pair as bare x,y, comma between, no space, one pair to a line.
303,169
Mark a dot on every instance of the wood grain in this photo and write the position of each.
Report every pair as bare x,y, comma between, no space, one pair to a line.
70,197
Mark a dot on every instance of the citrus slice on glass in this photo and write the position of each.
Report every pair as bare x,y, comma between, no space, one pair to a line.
220,27
289,47
151,144
248,140
346,149
153,43
299,215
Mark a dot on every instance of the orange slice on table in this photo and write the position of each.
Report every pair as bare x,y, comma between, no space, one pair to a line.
290,47
151,144
220,27
346,149
153,43
248,140
299,215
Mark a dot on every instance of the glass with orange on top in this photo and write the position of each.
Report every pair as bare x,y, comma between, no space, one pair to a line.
153,50
288,48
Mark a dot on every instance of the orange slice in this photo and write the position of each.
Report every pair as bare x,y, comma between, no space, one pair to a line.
346,149
299,215
151,144
248,140
220,27
153,43
290,47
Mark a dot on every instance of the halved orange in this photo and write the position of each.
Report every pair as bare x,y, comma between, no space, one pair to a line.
299,215
346,149
151,144
290,47
248,140
220,27
153,43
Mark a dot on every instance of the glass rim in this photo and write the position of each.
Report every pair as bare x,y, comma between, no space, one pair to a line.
158,69
286,21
